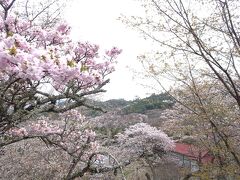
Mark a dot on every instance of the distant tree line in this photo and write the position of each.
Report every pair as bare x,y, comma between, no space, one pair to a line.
155,101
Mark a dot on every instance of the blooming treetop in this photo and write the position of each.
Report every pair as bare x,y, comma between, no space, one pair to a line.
142,138
33,53
33,57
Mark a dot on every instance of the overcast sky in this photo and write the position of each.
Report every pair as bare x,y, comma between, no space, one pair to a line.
96,21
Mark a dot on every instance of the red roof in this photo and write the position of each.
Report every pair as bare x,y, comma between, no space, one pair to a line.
193,152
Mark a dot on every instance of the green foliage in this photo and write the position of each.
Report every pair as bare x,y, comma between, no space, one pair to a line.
155,101
116,103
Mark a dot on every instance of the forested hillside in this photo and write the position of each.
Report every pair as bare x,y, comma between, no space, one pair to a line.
142,106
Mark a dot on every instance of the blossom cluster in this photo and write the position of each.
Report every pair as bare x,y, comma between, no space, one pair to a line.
31,52
40,128
19,132
68,131
143,137
42,125
73,114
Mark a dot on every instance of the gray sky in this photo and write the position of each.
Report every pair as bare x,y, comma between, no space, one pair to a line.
96,21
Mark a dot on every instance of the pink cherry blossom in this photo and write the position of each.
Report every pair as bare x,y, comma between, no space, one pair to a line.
113,52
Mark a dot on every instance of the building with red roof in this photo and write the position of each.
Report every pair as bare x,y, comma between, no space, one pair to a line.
191,156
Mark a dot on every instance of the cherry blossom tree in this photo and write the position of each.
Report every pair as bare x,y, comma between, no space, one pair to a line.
142,142
199,53
67,144
36,60
44,76
211,124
